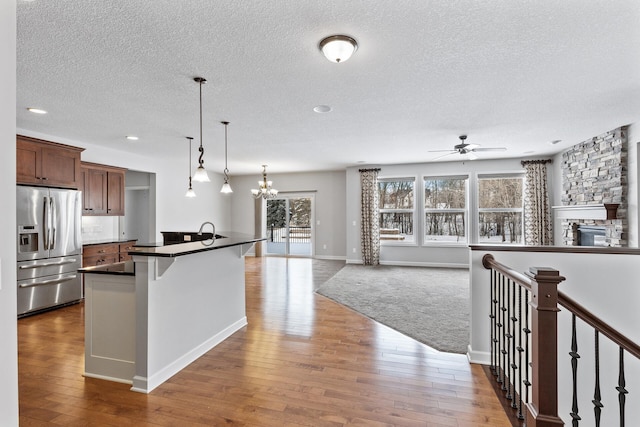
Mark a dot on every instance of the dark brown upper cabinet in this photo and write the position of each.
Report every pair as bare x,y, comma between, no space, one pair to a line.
40,162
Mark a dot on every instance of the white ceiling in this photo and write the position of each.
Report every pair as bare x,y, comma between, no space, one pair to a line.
509,73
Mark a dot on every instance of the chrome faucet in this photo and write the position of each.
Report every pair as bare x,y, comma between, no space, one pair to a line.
212,226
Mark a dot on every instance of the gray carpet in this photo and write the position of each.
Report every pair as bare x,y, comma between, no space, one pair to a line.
431,305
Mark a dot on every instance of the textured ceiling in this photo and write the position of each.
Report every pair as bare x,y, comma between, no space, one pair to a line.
512,73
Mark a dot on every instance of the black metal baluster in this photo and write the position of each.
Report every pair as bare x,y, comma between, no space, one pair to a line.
597,402
520,350
508,336
505,324
514,366
622,391
527,332
499,337
492,316
574,369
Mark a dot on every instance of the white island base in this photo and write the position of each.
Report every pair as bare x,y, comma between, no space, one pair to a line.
144,328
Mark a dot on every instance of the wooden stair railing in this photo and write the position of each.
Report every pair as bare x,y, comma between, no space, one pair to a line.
536,294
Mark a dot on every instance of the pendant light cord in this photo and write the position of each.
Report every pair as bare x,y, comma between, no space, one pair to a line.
226,169
201,81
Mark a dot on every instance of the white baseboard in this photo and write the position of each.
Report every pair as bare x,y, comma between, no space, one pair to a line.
330,257
146,385
424,264
478,357
105,377
414,264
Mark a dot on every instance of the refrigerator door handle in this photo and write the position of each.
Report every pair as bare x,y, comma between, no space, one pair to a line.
54,221
46,223
51,264
47,282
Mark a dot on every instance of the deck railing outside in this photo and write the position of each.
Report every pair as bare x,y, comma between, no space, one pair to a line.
296,234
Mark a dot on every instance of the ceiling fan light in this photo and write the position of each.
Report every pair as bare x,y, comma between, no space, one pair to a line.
338,48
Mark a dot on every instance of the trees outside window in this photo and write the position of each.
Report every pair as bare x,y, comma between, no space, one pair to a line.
445,200
396,209
500,209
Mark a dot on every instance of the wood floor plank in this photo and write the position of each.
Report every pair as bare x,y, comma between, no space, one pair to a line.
302,360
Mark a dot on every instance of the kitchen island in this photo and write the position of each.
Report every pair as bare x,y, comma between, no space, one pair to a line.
147,319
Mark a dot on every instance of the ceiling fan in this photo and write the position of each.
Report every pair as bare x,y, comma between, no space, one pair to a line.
464,148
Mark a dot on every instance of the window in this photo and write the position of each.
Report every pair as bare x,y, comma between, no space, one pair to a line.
445,200
500,209
396,209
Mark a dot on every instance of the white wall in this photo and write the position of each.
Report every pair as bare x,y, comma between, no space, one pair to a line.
329,190
174,212
8,331
604,284
425,255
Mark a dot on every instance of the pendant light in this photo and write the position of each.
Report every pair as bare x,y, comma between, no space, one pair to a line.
265,190
226,188
190,192
201,173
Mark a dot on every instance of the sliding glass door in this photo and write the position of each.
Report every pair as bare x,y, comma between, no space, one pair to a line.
289,225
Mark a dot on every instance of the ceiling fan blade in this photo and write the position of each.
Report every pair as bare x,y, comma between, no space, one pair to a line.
471,155
490,149
442,151
445,155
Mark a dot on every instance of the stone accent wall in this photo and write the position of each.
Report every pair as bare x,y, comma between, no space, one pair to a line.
594,172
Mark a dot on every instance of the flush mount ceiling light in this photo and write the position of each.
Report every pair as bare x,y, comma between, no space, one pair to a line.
226,188
37,110
201,173
190,192
265,191
338,48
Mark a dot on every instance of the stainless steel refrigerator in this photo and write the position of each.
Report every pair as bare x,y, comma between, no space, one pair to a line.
49,248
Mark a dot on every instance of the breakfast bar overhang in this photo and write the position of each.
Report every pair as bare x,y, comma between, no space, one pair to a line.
147,319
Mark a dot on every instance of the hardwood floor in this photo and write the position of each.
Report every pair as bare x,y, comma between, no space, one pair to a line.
302,360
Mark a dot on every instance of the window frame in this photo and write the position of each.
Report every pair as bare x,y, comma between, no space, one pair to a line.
465,211
405,242
479,210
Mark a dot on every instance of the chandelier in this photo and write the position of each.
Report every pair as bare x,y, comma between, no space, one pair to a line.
265,191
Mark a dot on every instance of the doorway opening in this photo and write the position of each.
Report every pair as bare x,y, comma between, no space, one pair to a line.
289,225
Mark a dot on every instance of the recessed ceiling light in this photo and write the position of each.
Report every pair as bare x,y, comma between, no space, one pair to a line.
132,138
555,141
322,109
37,110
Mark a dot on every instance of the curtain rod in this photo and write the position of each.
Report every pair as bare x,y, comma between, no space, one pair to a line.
370,170
535,162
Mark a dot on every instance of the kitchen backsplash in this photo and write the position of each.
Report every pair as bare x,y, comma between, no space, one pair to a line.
97,228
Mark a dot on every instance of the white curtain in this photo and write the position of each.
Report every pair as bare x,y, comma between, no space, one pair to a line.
369,212
538,229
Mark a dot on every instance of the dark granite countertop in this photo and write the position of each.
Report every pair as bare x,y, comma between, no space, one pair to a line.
231,238
125,268
107,241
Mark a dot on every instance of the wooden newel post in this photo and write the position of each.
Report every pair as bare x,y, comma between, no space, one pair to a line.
542,410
